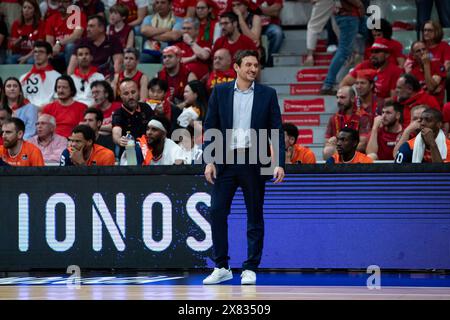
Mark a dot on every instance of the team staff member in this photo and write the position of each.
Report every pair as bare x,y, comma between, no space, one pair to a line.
15,151
82,150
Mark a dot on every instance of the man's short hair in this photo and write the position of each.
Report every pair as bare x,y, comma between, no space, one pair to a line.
73,89
194,20
44,44
85,130
411,81
354,134
132,51
436,114
398,107
230,15
291,130
241,54
162,84
106,86
128,80
18,123
121,9
100,19
51,119
83,46
98,113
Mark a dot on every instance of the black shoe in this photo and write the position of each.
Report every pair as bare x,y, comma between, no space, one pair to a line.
327,91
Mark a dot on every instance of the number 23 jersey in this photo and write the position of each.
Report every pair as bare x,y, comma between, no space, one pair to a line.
37,90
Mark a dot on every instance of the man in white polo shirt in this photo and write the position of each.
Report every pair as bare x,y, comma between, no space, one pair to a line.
39,83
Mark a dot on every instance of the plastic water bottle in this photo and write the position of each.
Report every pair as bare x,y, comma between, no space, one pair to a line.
130,150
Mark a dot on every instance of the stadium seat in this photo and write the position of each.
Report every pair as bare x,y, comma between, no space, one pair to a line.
406,38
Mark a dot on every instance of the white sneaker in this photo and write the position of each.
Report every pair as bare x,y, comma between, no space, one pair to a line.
248,277
218,276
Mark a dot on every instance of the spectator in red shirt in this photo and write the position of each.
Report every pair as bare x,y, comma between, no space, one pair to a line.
365,88
206,12
386,131
183,8
137,11
60,35
430,73
24,32
49,8
131,60
222,71
117,25
249,22
195,53
91,7
347,116
432,35
296,153
410,94
387,72
104,101
271,25
232,38
67,112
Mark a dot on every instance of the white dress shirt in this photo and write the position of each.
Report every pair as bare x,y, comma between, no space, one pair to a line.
242,116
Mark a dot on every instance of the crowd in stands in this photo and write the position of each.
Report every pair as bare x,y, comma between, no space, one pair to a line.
84,101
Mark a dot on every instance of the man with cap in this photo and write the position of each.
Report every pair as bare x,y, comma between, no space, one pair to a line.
387,72
156,147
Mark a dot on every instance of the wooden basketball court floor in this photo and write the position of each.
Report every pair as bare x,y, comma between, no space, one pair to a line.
188,286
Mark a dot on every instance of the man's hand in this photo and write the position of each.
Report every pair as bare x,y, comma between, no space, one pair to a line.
289,152
76,156
210,172
378,122
428,137
187,39
123,141
278,174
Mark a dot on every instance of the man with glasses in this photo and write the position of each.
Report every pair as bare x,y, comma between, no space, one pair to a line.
38,84
84,75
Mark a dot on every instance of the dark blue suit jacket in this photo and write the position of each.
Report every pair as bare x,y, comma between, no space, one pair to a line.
265,113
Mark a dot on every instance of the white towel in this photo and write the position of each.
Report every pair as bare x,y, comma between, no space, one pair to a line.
188,115
419,147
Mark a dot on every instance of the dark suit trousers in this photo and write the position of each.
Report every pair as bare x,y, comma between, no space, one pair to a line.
253,187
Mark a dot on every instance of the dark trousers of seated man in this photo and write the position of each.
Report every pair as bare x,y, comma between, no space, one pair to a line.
229,178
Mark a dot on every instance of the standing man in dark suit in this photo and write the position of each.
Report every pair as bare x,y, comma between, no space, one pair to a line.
247,110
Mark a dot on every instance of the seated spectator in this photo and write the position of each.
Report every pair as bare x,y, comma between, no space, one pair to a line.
222,70
206,12
158,99
430,74
118,27
15,151
348,116
94,119
175,73
133,116
91,7
192,152
159,30
68,113
271,26
12,97
365,89
386,131
385,31
5,114
137,11
346,145
50,143
84,75
296,153
131,60
232,39
432,36
61,34
38,84
104,101
195,53
412,129
387,72
409,94
430,145
49,8
249,23
156,147
183,8
194,106
24,32
107,51
83,151
3,38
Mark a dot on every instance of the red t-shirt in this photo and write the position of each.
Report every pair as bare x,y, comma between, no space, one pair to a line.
243,43
216,77
265,20
199,67
419,98
360,122
223,5
436,68
67,117
132,9
385,79
386,143
446,112
176,83
440,52
179,7
122,35
32,34
56,26
29,156
107,114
